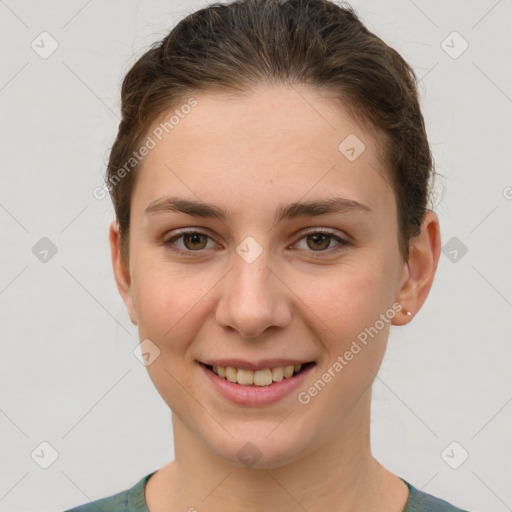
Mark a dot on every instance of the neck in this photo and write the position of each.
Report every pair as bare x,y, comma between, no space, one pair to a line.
336,473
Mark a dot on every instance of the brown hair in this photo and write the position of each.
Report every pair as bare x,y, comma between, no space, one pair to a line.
238,46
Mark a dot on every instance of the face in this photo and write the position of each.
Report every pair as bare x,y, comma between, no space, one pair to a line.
257,280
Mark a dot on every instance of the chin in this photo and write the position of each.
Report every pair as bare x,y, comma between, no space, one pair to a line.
266,448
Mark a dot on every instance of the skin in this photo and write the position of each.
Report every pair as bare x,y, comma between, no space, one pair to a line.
249,154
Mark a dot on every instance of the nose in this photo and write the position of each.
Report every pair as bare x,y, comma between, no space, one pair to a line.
253,298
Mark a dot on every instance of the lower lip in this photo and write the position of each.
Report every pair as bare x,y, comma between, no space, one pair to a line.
256,395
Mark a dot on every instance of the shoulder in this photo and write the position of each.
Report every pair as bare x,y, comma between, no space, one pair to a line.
420,501
129,500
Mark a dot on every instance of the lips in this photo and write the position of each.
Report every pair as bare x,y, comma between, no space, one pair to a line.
260,393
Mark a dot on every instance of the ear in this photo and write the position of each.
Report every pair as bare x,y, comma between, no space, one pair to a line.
121,271
419,270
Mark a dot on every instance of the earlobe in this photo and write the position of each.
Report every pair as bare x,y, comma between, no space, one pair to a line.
420,268
121,271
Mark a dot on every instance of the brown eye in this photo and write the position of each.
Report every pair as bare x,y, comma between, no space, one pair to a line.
189,242
193,241
321,242
318,241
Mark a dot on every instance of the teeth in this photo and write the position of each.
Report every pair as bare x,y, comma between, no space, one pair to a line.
263,377
244,377
278,374
231,374
288,371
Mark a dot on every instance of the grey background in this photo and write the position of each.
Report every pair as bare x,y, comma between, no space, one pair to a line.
68,373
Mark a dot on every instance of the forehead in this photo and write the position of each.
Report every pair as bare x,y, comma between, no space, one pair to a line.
288,141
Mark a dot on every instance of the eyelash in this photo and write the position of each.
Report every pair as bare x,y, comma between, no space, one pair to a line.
342,242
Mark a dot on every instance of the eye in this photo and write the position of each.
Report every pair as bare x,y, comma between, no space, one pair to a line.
192,241
318,241
321,239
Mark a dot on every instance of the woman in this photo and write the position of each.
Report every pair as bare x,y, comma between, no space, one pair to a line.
270,180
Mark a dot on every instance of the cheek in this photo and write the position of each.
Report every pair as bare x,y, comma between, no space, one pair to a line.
167,298
169,306
344,310
348,298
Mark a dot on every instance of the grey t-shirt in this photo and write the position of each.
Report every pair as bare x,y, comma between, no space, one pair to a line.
132,500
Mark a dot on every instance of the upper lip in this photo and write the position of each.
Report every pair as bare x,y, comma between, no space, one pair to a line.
260,365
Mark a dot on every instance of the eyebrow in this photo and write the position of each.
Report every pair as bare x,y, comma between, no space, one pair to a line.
283,212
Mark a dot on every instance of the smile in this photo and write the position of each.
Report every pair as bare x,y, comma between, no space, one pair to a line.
259,387
263,377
